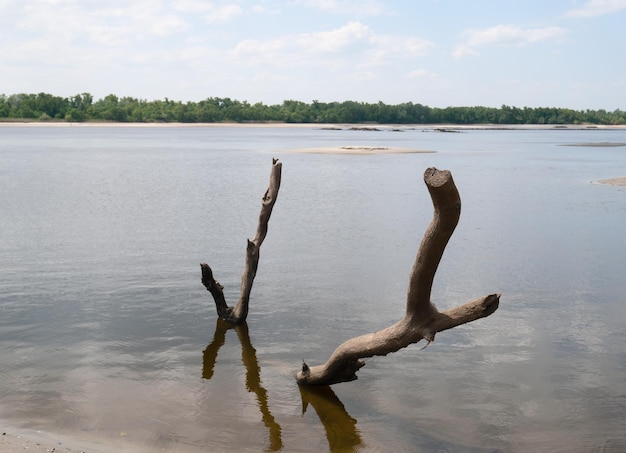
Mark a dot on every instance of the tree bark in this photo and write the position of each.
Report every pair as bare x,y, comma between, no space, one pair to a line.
422,320
239,313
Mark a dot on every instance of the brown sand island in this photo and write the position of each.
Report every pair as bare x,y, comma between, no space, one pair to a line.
613,181
358,150
597,144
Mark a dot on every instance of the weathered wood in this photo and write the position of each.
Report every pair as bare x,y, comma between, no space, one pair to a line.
422,320
239,313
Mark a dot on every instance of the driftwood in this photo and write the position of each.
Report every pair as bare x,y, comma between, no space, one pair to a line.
239,313
422,319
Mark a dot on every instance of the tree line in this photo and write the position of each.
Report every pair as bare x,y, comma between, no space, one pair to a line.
83,107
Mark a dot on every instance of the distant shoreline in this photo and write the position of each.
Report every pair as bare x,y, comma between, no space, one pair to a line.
339,126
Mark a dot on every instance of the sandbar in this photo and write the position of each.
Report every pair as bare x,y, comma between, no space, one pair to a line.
358,149
613,181
597,144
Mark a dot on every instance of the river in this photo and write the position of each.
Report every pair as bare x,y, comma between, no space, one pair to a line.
106,331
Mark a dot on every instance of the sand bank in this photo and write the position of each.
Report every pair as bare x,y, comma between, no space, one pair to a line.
613,181
357,149
597,144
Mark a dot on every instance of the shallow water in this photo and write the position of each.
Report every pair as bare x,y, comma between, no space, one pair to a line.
107,332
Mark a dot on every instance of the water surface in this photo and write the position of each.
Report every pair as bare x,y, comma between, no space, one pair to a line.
107,333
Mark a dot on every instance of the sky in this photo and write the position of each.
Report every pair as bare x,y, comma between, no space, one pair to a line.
531,53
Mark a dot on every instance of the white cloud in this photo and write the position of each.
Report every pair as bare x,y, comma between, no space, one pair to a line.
421,74
510,35
209,11
306,43
597,8
109,24
166,25
260,51
463,50
260,9
401,46
335,40
351,45
222,13
369,7
504,35
192,6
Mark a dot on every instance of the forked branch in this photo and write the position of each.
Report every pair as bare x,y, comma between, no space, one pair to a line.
422,320
239,313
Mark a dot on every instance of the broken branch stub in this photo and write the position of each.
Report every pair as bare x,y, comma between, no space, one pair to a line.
422,320
239,313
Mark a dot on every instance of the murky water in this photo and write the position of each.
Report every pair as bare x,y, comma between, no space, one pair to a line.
106,331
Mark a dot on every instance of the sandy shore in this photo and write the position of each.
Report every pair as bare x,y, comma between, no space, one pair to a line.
15,440
20,440
339,126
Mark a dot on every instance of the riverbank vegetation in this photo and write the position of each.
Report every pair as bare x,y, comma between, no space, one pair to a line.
83,107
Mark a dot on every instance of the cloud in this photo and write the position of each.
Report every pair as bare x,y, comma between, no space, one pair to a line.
207,10
222,13
504,35
192,6
353,44
463,50
421,74
368,8
401,46
324,48
597,8
319,42
166,25
107,24
335,40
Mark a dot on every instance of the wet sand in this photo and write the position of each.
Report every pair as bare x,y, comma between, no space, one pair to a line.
14,440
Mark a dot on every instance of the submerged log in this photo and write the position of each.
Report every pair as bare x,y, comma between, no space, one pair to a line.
422,320
239,313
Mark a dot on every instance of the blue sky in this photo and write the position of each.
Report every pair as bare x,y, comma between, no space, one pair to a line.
556,53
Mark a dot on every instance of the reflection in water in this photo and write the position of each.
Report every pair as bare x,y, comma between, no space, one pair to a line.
253,374
339,425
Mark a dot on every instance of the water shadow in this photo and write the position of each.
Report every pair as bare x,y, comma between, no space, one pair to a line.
340,427
253,374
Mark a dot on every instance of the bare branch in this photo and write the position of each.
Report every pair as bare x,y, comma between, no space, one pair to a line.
239,312
422,319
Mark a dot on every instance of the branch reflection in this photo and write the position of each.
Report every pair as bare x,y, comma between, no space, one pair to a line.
340,427
253,374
